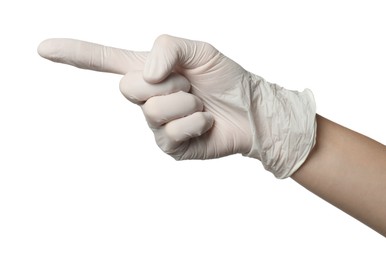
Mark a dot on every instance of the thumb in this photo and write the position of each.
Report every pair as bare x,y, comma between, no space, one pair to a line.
169,52
91,56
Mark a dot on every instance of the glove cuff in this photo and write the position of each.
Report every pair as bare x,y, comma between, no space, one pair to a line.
283,126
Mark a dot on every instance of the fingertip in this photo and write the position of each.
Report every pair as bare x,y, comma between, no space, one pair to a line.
52,49
209,119
151,77
45,48
154,73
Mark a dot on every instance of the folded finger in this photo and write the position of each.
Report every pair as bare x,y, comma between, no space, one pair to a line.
183,129
159,110
137,90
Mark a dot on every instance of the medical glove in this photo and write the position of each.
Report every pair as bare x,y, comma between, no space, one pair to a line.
200,104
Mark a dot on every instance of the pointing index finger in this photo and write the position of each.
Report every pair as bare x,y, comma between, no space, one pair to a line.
91,56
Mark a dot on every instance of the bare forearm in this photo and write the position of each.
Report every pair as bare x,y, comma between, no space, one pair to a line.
348,170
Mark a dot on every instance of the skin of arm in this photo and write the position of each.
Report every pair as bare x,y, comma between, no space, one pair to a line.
348,170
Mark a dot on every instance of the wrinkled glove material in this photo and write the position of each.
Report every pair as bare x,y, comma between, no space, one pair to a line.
283,126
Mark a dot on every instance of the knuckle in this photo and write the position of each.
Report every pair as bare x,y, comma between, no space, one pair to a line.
164,39
130,90
152,112
123,87
209,47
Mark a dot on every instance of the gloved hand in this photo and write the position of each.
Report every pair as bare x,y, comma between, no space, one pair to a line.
201,104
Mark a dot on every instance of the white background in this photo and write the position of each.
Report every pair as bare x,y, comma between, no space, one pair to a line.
82,178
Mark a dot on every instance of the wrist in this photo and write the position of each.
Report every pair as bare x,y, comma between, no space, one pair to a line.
283,126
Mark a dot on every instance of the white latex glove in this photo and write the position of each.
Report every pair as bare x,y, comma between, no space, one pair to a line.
216,108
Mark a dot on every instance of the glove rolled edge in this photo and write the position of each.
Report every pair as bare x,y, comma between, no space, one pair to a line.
283,126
